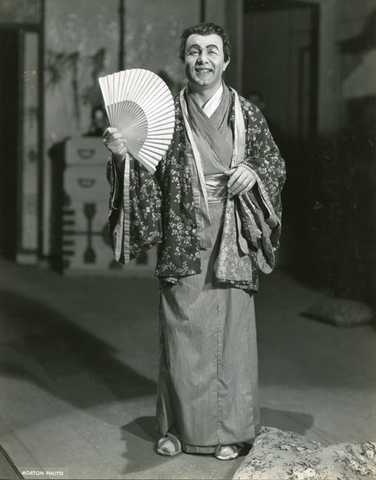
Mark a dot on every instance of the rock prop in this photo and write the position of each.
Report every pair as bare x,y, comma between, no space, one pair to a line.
280,455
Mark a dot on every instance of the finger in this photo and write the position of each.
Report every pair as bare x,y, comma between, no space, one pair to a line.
246,186
117,141
251,180
111,134
115,146
234,177
109,131
239,183
244,190
114,137
247,177
237,191
229,172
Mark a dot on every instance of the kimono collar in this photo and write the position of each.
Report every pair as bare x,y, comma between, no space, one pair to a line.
239,133
213,103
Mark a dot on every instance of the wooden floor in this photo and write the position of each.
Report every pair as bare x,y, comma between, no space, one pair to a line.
78,370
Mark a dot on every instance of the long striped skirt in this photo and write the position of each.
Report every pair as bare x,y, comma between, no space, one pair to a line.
208,378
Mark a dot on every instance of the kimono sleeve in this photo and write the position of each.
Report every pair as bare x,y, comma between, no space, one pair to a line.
134,210
265,161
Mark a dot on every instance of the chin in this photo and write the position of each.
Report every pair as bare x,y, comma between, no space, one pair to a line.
203,83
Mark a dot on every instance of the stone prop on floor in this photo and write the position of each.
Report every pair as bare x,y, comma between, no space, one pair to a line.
278,454
340,312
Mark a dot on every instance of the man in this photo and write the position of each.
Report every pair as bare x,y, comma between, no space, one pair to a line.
213,208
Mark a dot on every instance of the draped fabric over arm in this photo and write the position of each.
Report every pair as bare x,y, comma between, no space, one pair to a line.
254,218
134,210
263,157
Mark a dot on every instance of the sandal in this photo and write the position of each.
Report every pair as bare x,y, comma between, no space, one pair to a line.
169,445
227,452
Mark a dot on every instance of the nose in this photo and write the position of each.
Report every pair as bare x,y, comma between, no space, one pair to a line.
202,57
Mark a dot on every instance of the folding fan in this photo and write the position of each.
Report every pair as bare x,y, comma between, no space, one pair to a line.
140,105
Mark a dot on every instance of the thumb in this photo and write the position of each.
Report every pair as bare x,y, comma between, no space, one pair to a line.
229,172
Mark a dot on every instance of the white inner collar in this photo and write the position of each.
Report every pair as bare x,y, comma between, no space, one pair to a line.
211,105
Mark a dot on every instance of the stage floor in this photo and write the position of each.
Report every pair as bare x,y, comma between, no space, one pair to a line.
79,363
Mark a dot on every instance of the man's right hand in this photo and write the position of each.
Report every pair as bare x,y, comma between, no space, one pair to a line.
115,142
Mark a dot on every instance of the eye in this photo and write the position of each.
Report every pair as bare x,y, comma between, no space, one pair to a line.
213,52
193,52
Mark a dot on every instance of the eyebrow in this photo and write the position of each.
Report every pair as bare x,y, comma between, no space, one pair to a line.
195,45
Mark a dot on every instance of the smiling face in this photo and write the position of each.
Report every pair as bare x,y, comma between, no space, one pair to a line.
204,62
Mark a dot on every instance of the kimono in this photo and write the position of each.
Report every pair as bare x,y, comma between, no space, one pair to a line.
211,248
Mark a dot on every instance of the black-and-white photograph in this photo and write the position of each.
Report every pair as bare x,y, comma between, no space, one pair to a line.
188,239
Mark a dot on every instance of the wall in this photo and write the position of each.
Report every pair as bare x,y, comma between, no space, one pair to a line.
71,41
24,18
355,150
341,20
358,66
153,31
81,43
20,11
273,41
215,11
76,31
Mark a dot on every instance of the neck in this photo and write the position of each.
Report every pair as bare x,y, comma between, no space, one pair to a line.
202,94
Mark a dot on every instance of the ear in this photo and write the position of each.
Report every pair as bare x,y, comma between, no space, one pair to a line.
226,64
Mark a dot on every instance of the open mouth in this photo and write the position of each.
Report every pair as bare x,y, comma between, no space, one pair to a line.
203,70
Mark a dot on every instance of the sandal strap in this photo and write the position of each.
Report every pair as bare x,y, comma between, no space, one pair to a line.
233,451
174,439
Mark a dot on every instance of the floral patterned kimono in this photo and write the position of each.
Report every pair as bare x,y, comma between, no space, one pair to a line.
210,249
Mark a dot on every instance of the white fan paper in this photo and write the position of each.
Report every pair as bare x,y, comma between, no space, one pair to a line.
140,105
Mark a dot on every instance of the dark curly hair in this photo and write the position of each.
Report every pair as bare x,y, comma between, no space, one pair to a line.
205,29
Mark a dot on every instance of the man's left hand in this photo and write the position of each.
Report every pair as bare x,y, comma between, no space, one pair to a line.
241,180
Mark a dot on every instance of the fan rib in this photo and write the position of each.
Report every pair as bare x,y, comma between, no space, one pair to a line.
140,105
